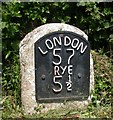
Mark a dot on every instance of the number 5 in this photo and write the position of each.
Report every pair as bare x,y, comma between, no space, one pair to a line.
56,55
57,83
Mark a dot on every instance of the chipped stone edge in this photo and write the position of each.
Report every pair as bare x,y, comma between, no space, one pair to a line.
27,65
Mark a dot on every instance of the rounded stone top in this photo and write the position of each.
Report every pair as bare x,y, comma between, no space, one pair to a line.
39,32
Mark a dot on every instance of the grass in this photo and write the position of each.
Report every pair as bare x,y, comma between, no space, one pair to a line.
97,112
100,107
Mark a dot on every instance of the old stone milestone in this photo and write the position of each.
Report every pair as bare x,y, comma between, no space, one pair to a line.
62,64
56,66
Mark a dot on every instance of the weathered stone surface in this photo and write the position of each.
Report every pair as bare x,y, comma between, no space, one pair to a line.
27,64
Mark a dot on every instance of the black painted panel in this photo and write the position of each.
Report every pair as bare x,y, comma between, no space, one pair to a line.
62,67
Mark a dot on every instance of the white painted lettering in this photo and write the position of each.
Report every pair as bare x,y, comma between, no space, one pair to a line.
49,44
69,84
56,70
67,41
42,51
70,55
57,56
57,83
70,69
76,43
57,41
82,50
63,69
69,78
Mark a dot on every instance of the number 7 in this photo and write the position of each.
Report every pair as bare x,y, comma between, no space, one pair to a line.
70,55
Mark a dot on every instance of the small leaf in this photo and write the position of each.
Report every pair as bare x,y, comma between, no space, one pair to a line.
111,36
106,25
111,19
9,52
81,4
111,40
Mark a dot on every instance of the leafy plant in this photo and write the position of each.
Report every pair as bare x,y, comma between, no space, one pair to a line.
103,79
11,78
